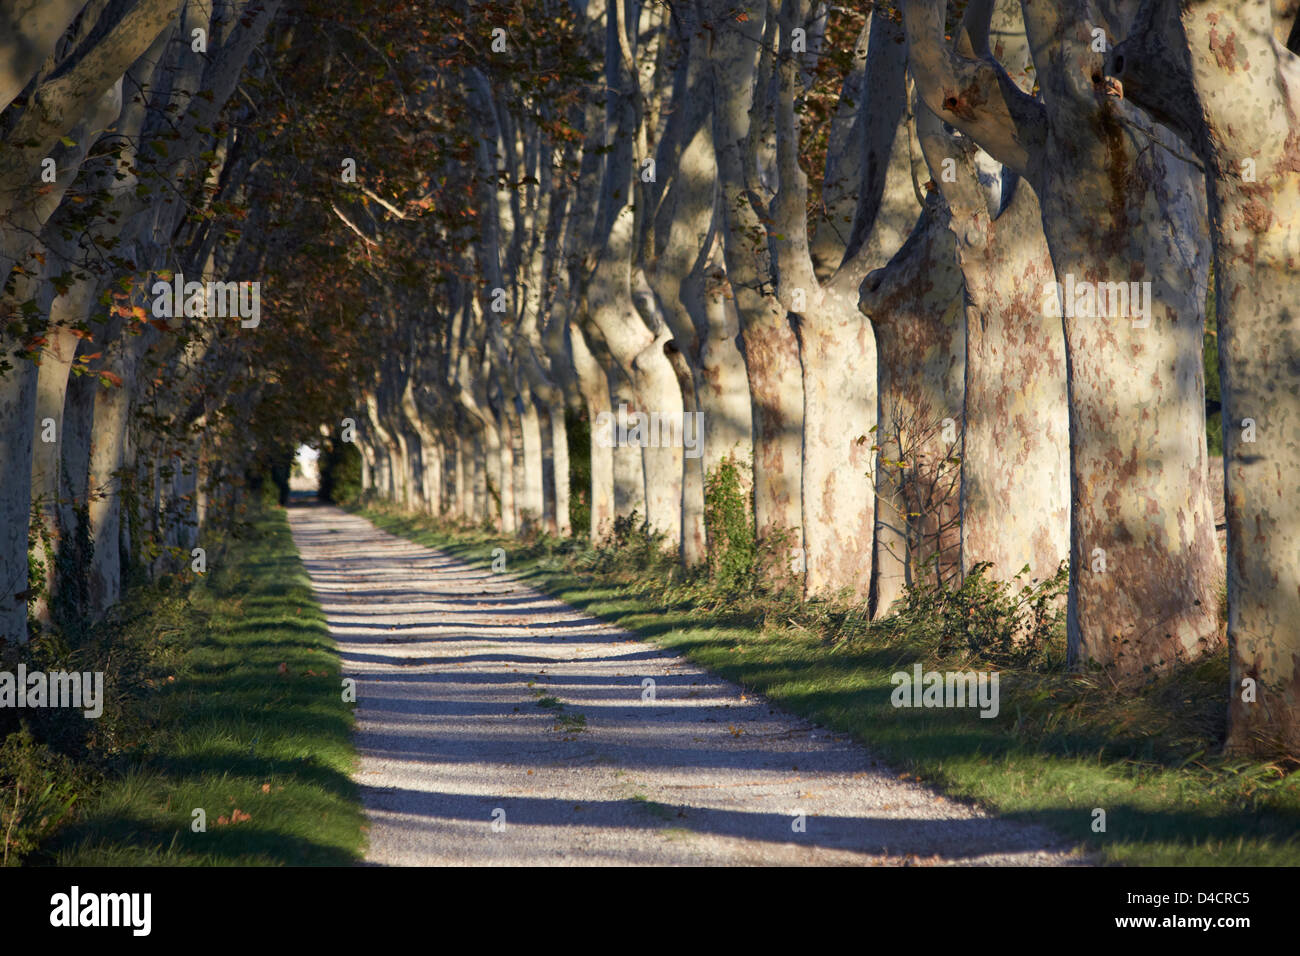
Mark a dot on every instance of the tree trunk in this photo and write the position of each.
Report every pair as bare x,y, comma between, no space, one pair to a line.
593,383
532,505
1143,560
723,388
839,409
1015,491
629,471
560,465
505,473
1015,471
837,346
914,304
660,396
771,349
17,405
1248,88
1143,556
51,390
108,464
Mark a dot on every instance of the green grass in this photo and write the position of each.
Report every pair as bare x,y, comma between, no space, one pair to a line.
1062,745
228,730
657,810
565,720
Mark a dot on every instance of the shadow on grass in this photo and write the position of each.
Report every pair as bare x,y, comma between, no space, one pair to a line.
253,719
1062,746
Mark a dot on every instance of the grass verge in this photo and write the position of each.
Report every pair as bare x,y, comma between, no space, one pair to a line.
240,715
1063,745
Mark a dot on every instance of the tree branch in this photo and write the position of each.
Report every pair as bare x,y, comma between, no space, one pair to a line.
972,92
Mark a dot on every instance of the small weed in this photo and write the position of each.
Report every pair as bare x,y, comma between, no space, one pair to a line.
653,808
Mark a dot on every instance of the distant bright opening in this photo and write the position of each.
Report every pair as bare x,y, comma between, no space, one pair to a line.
306,471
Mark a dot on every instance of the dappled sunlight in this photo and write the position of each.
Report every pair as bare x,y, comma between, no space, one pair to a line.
477,695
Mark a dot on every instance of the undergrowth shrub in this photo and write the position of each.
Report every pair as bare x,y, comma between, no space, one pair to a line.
1003,622
729,523
630,548
38,788
52,758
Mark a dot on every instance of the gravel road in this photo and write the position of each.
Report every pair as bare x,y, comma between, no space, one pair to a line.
500,726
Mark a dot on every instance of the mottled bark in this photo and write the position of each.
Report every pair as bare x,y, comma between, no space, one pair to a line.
1015,495
914,303
722,388
51,390
1243,117
1015,472
1143,560
837,345
771,349
1143,550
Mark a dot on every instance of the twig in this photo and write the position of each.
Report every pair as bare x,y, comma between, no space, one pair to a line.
18,789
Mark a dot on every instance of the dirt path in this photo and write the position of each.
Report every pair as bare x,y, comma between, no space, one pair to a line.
463,762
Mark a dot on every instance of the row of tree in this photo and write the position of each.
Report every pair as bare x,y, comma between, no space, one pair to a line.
168,183
118,167
937,272
940,274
